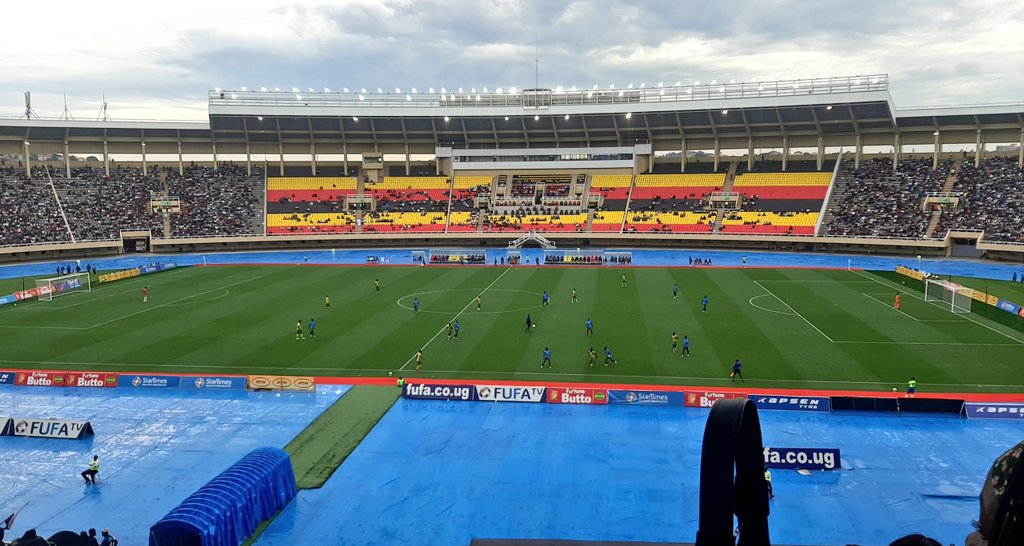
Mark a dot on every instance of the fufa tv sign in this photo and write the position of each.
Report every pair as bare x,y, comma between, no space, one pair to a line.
52,428
509,393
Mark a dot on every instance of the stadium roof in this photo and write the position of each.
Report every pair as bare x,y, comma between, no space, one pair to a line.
837,111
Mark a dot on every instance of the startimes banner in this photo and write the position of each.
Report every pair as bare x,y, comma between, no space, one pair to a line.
645,398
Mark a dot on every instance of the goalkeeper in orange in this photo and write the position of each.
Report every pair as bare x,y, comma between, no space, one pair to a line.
897,302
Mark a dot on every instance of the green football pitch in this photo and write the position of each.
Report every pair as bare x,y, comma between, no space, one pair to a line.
790,328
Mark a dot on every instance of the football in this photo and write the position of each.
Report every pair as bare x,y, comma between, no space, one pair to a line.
534,325
389,375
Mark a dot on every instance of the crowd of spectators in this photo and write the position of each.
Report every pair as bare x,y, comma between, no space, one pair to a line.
226,202
993,200
878,201
97,207
28,211
411,201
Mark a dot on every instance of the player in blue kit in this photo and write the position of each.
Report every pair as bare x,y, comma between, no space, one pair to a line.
545,299
590,327
547,358
675,291
608,357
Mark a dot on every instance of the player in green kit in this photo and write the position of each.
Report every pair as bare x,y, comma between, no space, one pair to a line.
298,330
675,341
592,357
376,285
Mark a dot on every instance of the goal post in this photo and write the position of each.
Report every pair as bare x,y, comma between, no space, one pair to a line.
59,286
947,294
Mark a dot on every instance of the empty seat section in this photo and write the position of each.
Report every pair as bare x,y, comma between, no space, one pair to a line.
317,222
607,221
535,222
791,186
801,223
612,186
390,222
309,188
677,186
670,222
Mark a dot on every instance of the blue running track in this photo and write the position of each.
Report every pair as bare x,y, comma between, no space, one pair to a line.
155,449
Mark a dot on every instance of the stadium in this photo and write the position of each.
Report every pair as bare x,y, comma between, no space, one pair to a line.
282,325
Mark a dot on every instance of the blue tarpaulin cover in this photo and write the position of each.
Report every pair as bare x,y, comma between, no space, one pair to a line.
226,510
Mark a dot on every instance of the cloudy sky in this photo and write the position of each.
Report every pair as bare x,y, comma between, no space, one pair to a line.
156,60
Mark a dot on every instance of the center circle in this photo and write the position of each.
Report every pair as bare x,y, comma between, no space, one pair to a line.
427,300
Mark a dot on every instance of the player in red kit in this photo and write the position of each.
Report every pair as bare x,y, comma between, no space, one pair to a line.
145,294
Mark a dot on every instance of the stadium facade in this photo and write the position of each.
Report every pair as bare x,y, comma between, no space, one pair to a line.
660,128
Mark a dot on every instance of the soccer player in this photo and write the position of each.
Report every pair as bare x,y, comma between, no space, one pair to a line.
545,299
376,285
686,346
547,357
298,330
451,330
529,322
478,303
574,299
704,302
419,360
416,305
145,294
745,265
312,328
89,475
592,357
456,338
737,371
608,357
675,341
327,302
897,302
623,279
767,473
590,327
675,291
911,388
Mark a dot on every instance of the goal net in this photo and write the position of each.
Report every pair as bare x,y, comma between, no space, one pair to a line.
59,286
948,295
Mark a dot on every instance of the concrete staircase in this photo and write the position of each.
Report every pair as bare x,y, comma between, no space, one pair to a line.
839,190
482,215
588,226
719,221
730,177
951,179
933,223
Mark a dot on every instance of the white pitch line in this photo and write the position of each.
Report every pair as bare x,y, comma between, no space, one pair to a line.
751,302
951,343
457,315
235,369
809,323
169,303
967,316
887,305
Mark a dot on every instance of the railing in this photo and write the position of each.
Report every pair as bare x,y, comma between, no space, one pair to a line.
558,97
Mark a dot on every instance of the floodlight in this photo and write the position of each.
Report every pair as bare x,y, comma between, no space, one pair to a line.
936,133
355,118
498,91
361,97
447,119
512,90
478,96
431,90
443,91
629,115
298,97
327,89
473,90
485,89
536,118
408,97
567,116
621,93
829,107
259,118
379,90
460,90
506,118
243,88
725,112
263,89
414,90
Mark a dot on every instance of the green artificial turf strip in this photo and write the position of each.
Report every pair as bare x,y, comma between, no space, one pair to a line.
321,448
791,328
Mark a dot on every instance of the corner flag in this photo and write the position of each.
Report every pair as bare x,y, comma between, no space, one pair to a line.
9,522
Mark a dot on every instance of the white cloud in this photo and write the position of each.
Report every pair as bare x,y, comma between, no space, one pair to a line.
158,60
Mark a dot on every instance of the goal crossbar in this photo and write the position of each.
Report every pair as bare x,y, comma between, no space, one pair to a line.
948,295
66,284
